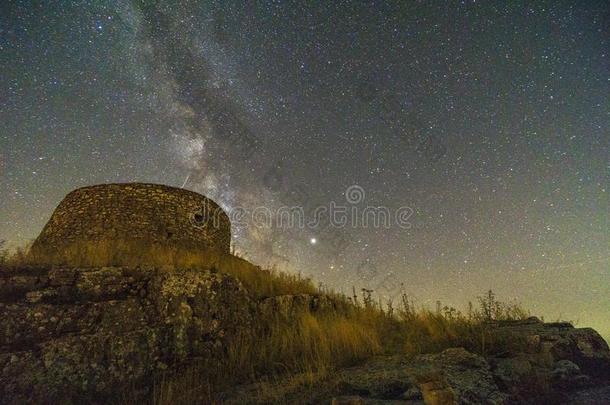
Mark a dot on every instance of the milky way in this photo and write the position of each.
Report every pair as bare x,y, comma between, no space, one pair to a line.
489,120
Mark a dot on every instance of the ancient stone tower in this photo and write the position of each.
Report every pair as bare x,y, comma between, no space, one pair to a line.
137,211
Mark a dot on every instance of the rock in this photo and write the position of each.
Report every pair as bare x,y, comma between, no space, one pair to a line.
438,392
590,396
547,360
547,343
412,394
450,377
79,334
383,378
567,375
566,369
456,375
458,357
86,333
512,371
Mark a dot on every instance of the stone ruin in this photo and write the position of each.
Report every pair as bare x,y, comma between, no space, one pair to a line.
137,211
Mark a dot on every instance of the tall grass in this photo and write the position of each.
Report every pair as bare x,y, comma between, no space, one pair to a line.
135,253
306,348
308,344
296,350
423,331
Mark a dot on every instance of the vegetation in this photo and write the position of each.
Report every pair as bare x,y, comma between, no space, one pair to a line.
303,350
16,257
260,282
305,346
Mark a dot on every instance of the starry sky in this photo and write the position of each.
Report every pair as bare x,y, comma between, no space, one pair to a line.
489,120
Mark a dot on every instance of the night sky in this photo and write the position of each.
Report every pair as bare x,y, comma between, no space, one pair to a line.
489,120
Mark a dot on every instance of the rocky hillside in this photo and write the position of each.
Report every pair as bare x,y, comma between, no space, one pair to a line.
85,332
547,363
70,332
93,333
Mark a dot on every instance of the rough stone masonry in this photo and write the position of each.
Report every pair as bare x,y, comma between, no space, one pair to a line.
137,211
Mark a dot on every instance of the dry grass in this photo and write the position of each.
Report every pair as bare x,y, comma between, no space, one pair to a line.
299,353
296,351
315,342
425,331
260,282
308,344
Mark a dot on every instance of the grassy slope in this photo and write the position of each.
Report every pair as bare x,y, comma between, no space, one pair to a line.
299,349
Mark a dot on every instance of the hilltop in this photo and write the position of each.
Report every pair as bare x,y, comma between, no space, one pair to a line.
131,294
223,330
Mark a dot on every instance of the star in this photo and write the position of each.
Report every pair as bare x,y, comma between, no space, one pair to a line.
492,131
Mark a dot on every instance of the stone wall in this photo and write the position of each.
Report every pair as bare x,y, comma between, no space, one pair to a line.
150,212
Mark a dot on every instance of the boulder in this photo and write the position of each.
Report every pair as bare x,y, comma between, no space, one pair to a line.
512,371
83,333
545,344
456,376
565,373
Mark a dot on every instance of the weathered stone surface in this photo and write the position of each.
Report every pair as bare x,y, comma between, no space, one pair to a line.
544,344
82,333
287,305
438,392
136,211
513,371
456,376
386,378
590,396
75,333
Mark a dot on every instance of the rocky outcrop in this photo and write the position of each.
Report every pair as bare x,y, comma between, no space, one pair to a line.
454,376
534,363
78,333
540,363
544,344
82,333
552,357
